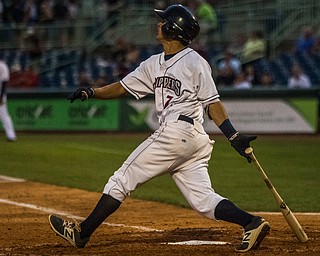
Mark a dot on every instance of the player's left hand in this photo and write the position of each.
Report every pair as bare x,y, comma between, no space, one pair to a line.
241,142
81,93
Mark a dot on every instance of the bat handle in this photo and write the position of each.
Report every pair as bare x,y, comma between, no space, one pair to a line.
249,152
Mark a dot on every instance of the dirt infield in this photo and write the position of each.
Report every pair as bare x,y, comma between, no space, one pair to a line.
137,228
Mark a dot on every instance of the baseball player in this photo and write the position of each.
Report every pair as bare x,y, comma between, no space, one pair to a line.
4,114
181,82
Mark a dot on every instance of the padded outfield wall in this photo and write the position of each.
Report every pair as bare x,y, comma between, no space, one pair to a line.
252,111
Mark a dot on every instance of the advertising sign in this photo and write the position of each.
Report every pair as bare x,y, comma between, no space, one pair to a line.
59,114
256,116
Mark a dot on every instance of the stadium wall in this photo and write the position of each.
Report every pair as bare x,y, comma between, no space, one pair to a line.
274,111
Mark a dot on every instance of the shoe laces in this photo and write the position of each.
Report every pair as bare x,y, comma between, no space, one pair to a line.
72,225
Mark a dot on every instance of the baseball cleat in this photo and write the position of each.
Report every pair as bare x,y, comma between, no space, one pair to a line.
68,230
254,233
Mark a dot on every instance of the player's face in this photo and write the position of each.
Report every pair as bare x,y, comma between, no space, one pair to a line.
159,35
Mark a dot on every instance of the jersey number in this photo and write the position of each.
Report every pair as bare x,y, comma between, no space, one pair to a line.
169,98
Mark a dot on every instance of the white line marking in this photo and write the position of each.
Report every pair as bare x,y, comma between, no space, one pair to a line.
4,179
197,242
52,211
99,150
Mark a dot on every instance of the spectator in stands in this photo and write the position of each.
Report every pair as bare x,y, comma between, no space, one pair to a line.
16,12
238,44
251,74
46,18
230,60
254,49
61,16
34,46
45,11
160,4
241,82
225,76
266,80
30,12
16,16
207,18
298,79
307,42
73,9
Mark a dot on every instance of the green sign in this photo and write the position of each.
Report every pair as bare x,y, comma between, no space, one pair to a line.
60,114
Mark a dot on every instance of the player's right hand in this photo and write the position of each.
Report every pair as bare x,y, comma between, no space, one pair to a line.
81,93
241,142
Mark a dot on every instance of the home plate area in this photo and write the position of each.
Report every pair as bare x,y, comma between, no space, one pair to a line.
138,228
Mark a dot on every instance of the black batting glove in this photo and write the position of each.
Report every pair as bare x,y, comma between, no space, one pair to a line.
81,93
240,143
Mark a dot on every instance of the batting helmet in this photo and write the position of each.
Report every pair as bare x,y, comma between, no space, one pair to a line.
180,23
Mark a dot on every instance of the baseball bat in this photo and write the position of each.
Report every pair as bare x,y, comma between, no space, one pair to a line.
286,212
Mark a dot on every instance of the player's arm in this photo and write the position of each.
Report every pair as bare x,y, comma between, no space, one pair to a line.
111,91
107,92
239,142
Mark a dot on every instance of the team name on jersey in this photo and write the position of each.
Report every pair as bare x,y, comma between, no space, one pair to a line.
169,83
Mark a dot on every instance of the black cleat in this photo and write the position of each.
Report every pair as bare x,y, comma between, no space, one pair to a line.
254,233
68,230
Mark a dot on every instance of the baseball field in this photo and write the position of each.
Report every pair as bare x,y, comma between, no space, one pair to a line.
65,174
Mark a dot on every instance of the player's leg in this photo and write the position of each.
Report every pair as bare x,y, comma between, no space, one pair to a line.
7,123
162,152
157,155
194,183
150,159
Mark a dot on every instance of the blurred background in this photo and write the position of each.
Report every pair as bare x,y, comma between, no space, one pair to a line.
67,43
59,45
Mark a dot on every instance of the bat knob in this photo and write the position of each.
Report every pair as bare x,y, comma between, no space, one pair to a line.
249,151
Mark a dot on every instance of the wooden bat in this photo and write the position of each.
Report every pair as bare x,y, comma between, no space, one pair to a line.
287,213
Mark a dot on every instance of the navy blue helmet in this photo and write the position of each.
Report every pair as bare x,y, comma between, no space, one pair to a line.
180,23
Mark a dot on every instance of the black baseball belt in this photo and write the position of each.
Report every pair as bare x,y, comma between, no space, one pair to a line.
186,119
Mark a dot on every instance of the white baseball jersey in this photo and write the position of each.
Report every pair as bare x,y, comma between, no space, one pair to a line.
4,77
182,85
4,114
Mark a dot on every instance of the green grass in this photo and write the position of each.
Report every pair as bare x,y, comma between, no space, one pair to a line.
308,108
86,161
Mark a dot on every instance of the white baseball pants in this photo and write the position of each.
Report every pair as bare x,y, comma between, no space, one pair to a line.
7,122
179,148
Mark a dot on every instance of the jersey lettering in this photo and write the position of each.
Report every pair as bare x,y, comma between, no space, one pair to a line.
169,98
168,83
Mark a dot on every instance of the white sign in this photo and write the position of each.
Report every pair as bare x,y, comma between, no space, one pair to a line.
248,116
